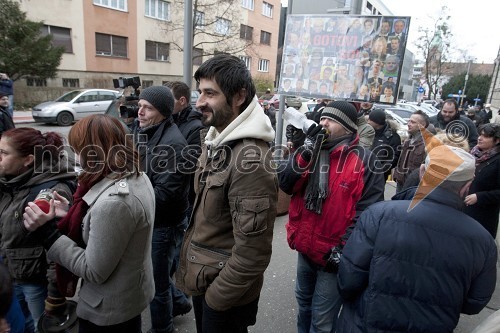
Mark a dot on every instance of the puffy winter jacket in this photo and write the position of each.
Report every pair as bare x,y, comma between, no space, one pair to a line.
417,270
353,187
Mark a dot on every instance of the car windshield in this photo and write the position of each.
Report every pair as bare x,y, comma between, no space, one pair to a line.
68,96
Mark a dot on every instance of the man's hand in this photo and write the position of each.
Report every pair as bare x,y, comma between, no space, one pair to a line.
314,137
471,199
332,258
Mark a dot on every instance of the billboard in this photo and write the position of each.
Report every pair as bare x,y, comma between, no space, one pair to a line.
344,57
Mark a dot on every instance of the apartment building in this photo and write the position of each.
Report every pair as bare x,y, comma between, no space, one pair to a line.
106,39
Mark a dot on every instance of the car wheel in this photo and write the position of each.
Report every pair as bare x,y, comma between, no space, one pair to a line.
64,119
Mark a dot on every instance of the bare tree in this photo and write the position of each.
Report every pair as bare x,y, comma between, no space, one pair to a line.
434,44
216,27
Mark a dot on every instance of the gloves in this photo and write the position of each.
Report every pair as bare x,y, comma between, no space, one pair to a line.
314,137
332,258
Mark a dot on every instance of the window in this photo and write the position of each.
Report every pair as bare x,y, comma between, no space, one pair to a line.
73,83
248,4
158,9
114,4
263,65
267,9
60,37
246,32
157,51
265,37
199,20
197,56
222,26
147,83
36,82
247,61
110,45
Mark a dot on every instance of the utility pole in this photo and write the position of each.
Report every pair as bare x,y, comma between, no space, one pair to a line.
188,43
465,84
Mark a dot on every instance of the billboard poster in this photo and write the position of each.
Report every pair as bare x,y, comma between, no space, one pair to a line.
346,57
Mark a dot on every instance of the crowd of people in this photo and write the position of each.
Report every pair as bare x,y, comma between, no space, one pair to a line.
179,216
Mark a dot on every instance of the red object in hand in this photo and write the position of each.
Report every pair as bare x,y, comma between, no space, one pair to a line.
42,200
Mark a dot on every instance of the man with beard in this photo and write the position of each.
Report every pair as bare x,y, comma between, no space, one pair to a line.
330,187
449,120
160,145
227,246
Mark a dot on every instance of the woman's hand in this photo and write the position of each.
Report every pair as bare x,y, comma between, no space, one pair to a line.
4,326
471,199
34,217
61,205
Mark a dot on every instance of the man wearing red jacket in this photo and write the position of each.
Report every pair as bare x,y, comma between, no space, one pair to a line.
332,181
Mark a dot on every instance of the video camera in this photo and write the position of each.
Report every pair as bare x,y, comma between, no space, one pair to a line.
130,108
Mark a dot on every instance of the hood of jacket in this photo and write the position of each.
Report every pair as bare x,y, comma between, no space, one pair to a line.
251,123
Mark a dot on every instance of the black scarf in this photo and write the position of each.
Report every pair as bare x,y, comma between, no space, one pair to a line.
317,189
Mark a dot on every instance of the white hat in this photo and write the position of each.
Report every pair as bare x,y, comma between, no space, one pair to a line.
450,163
487,105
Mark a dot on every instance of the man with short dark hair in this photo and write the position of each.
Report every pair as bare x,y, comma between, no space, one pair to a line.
415,265
454,124
331,180
228,244
413,150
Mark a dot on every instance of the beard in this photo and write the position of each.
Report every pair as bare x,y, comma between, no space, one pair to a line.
218,119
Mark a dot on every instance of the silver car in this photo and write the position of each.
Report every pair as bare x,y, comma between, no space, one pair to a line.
74,105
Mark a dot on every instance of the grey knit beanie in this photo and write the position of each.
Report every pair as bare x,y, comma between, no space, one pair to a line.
343,113
161,98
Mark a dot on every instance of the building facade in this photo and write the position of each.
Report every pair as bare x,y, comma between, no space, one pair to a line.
106,39
494,91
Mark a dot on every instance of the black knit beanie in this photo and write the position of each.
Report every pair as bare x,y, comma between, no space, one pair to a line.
343,113
377,116
161,98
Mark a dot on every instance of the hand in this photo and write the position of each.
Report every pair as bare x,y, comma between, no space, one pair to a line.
471,199
289,144
311,144
34,217
332,258
4,326
61,205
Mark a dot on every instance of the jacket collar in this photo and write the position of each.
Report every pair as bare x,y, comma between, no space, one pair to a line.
437,195
120,187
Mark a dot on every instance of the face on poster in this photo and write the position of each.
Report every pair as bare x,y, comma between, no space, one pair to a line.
343,57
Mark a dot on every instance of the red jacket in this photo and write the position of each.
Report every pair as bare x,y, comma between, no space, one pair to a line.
354,185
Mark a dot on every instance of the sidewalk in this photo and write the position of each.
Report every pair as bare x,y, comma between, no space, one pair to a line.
21,117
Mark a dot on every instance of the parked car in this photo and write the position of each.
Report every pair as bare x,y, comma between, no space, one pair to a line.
274,100
195,94
74,105
402,124
428,109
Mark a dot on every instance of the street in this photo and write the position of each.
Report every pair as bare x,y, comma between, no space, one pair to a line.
277,306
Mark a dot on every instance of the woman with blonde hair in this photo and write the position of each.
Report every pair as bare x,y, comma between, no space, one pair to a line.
114,211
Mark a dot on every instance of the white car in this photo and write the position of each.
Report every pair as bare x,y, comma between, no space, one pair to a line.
74,105
428,109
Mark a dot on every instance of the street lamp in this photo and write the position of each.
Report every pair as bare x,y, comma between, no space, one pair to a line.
465,84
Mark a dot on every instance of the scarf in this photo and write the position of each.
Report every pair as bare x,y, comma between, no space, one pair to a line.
71,226
482,156
317,189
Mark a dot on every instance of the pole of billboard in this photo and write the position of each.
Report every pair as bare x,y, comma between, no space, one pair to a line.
465,84
279,126
188,42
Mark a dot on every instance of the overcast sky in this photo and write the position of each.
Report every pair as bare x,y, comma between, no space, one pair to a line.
475,24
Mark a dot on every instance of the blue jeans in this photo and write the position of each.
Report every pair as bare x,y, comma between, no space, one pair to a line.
162,254
317,296
31,297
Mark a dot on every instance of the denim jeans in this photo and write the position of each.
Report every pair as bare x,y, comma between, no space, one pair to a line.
162,253
317,296
31,297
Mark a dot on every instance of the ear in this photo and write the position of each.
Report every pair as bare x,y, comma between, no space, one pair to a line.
421,171
28,160
239,98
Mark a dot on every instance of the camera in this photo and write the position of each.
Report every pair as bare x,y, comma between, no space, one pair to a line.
129,109
124,82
